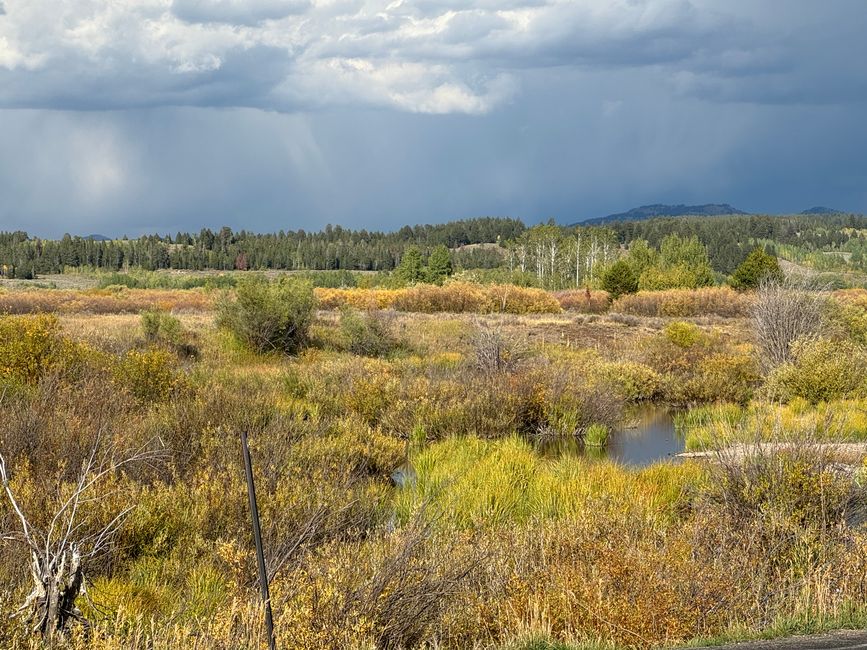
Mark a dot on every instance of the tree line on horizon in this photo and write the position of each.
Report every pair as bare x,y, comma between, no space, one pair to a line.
546,255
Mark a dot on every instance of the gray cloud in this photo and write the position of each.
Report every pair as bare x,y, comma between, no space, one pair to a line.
433,57
237,12
141,115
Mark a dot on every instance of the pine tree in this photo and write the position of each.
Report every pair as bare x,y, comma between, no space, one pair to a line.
439,264
410,269
757,267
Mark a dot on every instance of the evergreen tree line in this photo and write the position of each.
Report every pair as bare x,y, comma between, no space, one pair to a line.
546,255
332,248
729,239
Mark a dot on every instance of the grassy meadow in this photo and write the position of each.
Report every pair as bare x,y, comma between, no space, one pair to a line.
402,498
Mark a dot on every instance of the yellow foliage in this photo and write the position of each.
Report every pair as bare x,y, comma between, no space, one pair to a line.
151,375
451,297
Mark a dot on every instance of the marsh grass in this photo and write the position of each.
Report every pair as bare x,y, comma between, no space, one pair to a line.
492,545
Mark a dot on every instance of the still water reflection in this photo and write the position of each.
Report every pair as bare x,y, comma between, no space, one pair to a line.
648,437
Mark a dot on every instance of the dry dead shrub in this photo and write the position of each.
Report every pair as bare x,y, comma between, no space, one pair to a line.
783,313
611,575
717,301
391,591
493,350
787,519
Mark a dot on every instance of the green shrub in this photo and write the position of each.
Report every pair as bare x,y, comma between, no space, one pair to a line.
159,326
367,334
758,267
620,278
269,316
680,276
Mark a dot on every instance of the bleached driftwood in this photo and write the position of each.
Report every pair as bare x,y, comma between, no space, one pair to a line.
850,453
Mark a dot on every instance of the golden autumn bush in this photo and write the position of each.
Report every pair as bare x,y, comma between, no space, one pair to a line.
456,297
699,366
151,375
32,347
584,301
680,303
821,370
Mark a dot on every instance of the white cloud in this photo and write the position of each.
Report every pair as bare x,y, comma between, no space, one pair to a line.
432,56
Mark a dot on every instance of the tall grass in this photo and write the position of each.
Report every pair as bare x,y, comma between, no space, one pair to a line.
104,301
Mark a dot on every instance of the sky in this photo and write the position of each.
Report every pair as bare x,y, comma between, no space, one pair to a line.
140,116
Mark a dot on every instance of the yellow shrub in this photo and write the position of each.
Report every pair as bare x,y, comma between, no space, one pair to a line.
637,381
31,346
150,375
718,301
822,370
584,301
456,297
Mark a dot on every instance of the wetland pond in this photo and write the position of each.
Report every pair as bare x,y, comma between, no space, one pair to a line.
647,436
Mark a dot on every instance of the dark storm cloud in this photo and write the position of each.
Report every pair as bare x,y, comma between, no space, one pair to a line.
141,115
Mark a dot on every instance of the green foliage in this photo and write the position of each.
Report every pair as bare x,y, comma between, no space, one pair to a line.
757,267
410,270
680,276
269,316
675,250
439,264
163,280
596,435
620,278
159,326
642,256
682,263
367,333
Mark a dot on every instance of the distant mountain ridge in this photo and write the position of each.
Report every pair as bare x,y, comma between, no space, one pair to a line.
665,210
705,210
819,209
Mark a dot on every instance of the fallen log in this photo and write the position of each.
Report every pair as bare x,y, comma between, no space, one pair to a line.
850,453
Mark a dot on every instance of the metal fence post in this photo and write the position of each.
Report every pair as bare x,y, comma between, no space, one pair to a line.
257,538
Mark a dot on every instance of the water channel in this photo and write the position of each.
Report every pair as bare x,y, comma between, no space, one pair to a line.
647,436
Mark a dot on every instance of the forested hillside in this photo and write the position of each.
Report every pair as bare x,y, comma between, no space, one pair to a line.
547,255
333,248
